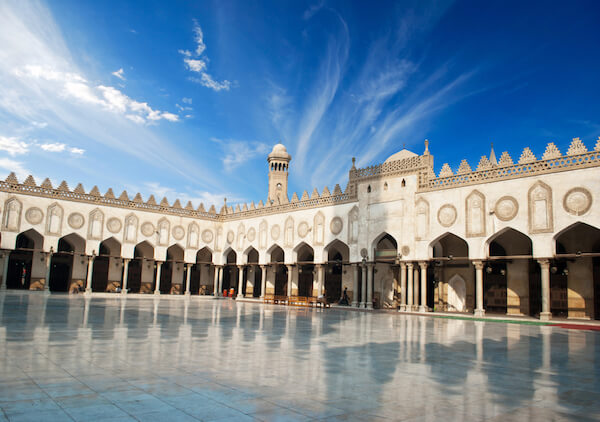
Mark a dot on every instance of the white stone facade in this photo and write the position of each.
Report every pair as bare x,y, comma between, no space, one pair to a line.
398,236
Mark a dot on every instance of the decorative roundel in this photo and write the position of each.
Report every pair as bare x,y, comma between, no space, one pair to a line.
178,232
275,232
303,229
113,225
447,215
34,215
251,235
147,229
230,236
364,253
405,250
336,225
76,220
506,208
577,201
207,236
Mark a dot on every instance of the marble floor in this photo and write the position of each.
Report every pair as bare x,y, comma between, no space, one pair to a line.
113,359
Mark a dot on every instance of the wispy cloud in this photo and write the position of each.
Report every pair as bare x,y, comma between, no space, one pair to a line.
197,62
119,74
13,146
237,152
8,165
196,197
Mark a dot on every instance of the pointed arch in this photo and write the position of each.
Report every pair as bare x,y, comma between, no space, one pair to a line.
275,253
144,249
384,247
112,245
509,242
175,252
449,245
29,239
251,255
336,247
230,256
303,252
75,243
577,238
204,255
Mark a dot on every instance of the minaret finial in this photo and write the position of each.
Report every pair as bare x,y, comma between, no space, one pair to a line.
353,162
493,160
426,147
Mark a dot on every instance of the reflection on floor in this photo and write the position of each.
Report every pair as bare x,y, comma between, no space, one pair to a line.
70,358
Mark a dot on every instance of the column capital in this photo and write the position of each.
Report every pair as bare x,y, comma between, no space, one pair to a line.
403,265
289,266
423,264
126,260
241,266
409,265
478,265
544,262
263,266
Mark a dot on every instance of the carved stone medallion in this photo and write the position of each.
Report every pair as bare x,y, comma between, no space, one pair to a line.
230,236
364,253
113,225
207,236
251,234
76,220
506,208
447,215
147,229
178,232
34,215
577,201
303,229
275,232
405,250
336,225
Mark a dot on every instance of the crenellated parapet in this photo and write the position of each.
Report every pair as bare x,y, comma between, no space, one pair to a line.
552,161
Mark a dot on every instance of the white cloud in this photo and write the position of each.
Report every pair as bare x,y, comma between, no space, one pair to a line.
238,152
77,151
187,100
196,197
9,165
312,10
54,147
13,146
119,74
200,64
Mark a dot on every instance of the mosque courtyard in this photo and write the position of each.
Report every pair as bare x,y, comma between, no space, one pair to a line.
156,359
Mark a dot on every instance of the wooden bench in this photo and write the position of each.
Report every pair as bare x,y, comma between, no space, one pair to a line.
269,298
315,302
298,301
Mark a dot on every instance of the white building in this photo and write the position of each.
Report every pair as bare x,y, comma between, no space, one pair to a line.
516,238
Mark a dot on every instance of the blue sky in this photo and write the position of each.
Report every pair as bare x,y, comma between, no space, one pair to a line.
185,99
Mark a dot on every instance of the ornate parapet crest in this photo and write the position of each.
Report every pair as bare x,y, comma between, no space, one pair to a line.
551,162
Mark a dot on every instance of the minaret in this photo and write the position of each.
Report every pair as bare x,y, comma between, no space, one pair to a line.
279,161
493,156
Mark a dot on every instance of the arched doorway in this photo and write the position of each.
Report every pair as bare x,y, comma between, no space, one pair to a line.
337,255
171,272
253,274
305,257
230,272
385,253
277,282
202,277
511,278
68,269
22,262
107,277
140,275
575,272
453,274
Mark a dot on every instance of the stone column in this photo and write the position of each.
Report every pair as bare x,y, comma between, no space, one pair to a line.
370,286
545,315
416,282
423,307
240,294
354,285
158,268
188,278
263,280
402,286
363,292
216,282
5,270
88,278
320,275
289,280
125,276
409,288
48,271
479,311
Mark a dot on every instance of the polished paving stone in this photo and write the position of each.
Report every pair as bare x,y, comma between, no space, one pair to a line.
159,359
